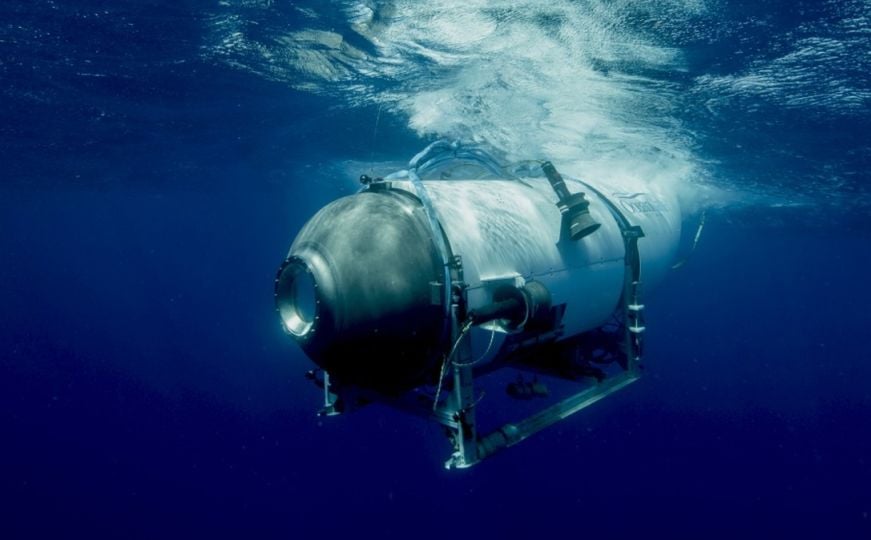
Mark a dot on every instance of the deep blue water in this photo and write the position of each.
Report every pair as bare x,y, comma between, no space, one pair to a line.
158,158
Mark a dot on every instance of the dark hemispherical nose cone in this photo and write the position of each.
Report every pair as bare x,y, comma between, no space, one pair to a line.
356,290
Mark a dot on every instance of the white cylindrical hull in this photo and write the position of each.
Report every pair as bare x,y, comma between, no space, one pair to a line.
508,231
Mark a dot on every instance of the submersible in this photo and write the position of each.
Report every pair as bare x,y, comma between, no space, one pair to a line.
458,267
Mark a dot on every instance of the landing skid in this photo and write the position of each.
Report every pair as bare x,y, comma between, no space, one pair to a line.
457,410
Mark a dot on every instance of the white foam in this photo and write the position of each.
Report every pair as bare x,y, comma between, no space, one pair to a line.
561,80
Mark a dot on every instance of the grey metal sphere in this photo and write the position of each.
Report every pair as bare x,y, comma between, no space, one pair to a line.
356,290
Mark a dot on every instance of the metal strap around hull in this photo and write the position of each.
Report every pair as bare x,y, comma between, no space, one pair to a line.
629,298
437,236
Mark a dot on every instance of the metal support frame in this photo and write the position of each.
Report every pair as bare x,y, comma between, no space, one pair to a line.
512,433
633,309
460,407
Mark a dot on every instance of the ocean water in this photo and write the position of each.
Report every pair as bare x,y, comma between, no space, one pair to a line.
158,158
